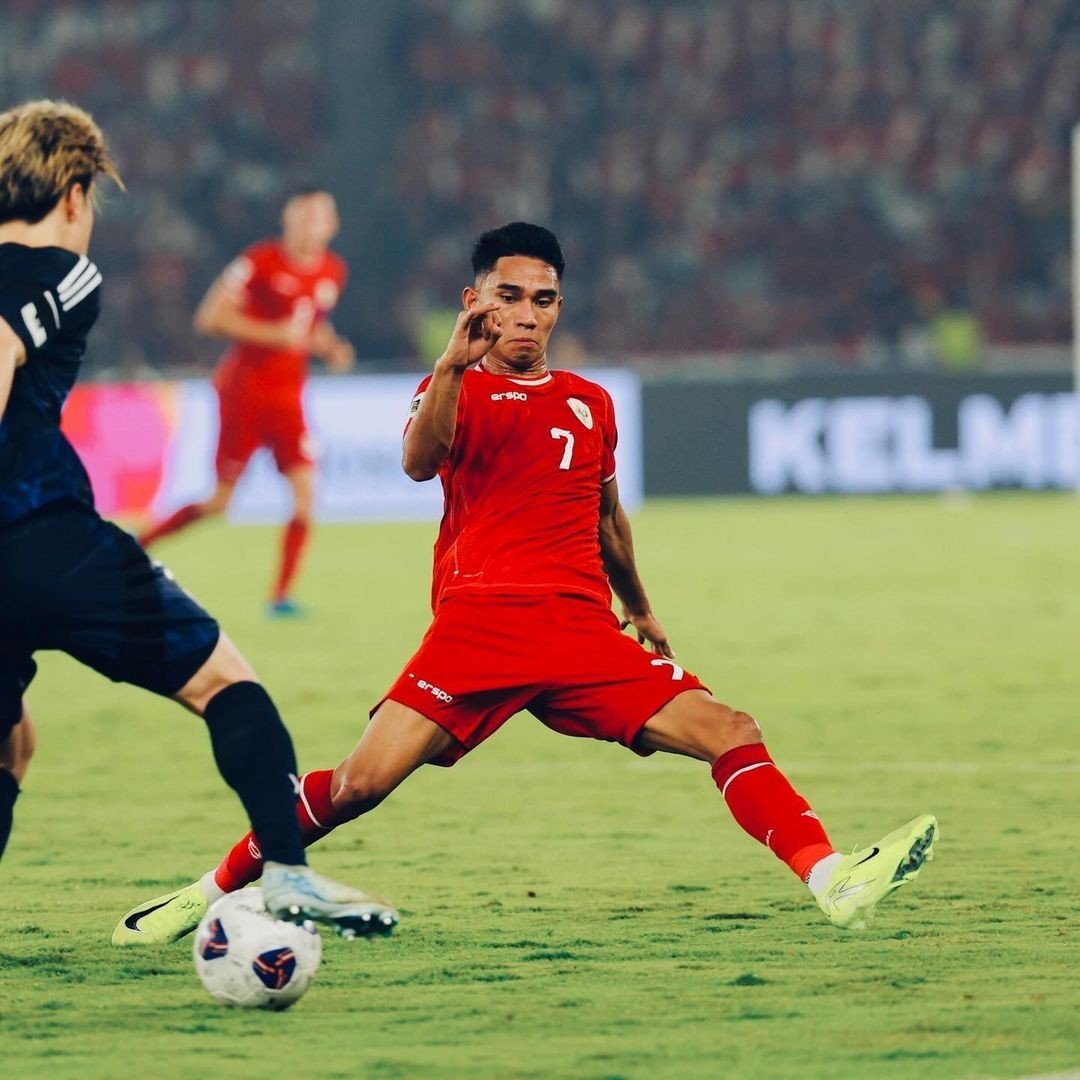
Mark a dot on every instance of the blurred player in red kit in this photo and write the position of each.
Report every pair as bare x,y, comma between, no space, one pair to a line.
272,303
532,542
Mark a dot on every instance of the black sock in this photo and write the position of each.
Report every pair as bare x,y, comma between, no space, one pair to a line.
9,792
253,750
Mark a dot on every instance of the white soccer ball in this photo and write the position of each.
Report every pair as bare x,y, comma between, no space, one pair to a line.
246,957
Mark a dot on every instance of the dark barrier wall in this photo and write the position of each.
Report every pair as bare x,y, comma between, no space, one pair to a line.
860,434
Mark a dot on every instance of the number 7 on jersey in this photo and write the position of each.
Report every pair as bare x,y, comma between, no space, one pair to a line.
568,453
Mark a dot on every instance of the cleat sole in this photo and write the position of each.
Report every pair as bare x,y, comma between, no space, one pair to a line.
921,851
351,927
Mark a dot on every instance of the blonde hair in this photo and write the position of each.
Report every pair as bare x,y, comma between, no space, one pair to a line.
45,148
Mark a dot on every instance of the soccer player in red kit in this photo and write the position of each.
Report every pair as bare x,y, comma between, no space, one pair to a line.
532,541
272,302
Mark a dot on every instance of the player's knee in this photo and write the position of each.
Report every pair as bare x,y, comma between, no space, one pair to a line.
225,666
218,502
734,727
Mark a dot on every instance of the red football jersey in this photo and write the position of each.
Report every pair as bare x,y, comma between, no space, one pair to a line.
521,486
269,286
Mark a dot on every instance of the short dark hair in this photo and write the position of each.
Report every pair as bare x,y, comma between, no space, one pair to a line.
304,191
517,238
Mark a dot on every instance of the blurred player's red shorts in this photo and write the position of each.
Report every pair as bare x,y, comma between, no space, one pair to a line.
563,658
248,423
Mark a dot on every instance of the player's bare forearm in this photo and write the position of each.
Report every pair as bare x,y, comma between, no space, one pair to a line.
219,316
236,326
12,355
335,351
617,553
431,430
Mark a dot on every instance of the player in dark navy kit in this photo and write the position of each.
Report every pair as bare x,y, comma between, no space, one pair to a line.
74,582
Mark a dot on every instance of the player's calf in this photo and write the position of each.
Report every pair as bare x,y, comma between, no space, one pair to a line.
15,753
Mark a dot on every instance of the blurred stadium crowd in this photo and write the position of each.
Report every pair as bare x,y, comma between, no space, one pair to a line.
887,180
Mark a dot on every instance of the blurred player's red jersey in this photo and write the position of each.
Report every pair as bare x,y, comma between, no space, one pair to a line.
268,286
522,486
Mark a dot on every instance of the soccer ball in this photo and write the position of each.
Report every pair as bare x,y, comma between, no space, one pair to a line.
246,957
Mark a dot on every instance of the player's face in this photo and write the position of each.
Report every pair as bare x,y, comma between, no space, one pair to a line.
310,222
527,292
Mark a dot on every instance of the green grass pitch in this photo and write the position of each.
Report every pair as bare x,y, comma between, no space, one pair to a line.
568,909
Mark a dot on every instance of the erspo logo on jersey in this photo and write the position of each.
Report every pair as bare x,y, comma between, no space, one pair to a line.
510,395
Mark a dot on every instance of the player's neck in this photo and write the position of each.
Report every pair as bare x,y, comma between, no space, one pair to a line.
493,365
302,257
50,231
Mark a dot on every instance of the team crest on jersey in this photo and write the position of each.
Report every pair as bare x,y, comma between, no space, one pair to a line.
326,293
581,411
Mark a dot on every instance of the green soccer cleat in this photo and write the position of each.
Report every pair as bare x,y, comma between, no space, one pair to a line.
863,879
297,893
164,919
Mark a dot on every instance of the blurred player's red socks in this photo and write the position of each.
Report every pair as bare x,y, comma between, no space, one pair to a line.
293,542
315,810
765,804
174,523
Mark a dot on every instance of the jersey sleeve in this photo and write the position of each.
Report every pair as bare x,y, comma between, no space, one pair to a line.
40,311
241,272
611,440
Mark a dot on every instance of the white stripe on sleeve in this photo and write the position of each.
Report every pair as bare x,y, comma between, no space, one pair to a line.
83,293
73,287
73,273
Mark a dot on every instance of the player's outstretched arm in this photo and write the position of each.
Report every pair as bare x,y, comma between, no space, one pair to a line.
431,431
12,356
617,551
220,315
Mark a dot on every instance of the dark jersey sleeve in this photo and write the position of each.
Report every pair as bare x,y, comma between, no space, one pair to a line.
55,301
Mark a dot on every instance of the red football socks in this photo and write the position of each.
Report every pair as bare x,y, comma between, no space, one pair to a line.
765,804
173,523
315,810
293,542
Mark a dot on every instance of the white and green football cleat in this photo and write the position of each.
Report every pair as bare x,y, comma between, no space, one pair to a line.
863,879
297,893
164,919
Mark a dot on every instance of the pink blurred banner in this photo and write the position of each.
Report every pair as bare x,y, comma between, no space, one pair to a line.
123,432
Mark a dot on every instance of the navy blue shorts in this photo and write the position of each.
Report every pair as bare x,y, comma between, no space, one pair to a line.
70,580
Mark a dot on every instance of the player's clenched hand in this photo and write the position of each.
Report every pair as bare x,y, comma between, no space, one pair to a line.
475,332
649,629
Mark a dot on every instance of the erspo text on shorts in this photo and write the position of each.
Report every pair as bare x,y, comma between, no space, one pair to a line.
435,691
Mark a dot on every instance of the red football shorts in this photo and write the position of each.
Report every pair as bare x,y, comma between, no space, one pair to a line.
563,658
247,424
